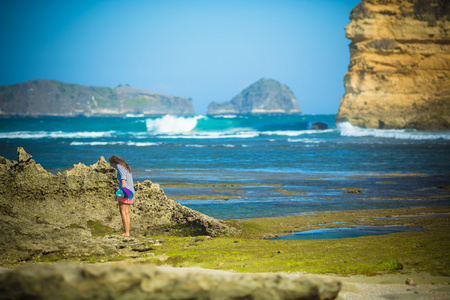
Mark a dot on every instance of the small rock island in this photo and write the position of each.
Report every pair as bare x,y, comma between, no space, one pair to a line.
264,97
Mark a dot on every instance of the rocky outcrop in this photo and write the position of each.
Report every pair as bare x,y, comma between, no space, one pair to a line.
399,72
132,281
70,213
264,97
55,98
319,125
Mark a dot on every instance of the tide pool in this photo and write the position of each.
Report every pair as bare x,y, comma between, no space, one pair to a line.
341,233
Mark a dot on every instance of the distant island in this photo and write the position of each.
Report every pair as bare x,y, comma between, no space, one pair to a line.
264,97
55,98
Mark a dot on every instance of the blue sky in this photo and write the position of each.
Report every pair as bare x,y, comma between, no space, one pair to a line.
204,50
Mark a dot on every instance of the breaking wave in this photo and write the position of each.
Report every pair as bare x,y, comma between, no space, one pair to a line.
172,124
347,129
54,134
297,129
129,143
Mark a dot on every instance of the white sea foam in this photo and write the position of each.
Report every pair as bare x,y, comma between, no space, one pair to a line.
212,135
134,115
96,143
226,117
172,124
129,143
306,141
296,132
142,144
347,129
54,134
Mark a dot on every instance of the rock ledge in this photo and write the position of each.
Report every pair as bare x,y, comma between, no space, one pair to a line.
67,214
130,281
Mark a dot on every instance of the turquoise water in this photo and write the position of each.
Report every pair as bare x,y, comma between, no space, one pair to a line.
351,232
393,167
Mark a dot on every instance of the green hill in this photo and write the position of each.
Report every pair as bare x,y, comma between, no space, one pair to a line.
54,98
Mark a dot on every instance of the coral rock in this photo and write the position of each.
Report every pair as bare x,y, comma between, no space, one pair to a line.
42,213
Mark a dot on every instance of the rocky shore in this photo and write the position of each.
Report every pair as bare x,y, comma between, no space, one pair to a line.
74,213
60,238
48,220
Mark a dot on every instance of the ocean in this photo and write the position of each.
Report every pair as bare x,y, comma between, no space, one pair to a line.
239,167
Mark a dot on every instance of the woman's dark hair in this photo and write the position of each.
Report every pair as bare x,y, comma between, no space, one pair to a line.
119,161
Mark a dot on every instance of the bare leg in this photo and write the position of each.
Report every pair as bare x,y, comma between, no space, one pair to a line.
125,214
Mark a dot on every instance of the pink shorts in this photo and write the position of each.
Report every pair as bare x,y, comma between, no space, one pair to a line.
125,200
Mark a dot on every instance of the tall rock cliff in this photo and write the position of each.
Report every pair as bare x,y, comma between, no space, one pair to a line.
264,97
399,72
55,98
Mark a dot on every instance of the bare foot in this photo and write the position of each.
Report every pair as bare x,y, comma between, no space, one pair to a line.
125,234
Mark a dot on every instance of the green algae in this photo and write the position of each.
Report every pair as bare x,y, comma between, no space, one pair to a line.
50,258
229,191
351,190
249,252
290,193
98,229
103,258
205,197
390,265
345,256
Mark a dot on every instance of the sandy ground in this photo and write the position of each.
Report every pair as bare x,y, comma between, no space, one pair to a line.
393,286
384,286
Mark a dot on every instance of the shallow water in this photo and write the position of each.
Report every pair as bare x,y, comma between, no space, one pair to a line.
323,193
340,233
393,168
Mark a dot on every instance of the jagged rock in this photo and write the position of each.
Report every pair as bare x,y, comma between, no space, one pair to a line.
264,97
399,72
131,281
67,213
23,156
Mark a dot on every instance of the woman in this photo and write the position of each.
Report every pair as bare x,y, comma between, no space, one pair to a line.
126,184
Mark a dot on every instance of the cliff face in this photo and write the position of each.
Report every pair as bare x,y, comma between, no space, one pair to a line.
55,98
264,97
68,213
399,72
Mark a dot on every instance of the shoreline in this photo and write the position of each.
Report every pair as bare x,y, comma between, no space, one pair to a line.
351,261
249,250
